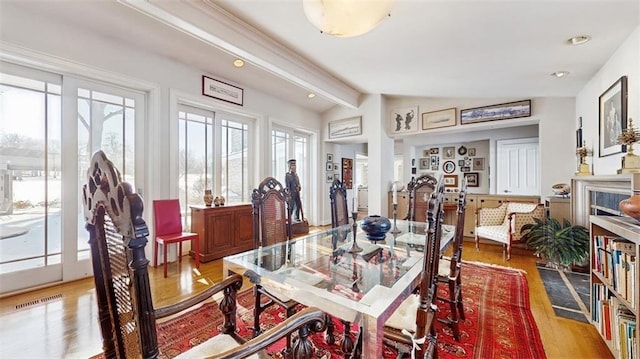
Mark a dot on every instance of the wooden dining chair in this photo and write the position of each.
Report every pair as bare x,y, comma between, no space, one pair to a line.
168,230
411,326
271,203
338,198
420,191
117,238
449,269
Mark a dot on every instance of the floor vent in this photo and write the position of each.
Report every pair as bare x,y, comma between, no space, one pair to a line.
38,301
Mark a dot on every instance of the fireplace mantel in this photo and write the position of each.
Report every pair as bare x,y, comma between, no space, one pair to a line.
600,195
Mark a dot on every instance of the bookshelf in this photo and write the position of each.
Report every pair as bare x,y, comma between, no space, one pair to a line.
615,243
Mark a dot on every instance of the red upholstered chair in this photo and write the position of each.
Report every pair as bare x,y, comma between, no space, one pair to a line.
169,230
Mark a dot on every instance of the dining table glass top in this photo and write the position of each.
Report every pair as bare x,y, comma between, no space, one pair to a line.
324,270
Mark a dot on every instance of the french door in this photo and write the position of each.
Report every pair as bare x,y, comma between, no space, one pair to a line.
287,144
42,168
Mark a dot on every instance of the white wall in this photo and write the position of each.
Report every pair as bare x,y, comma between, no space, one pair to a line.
624,62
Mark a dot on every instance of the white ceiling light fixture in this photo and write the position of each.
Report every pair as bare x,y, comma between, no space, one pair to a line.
560,73
311,95
578,40
346,18
238,63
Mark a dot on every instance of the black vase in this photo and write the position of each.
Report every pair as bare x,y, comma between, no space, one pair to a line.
375,227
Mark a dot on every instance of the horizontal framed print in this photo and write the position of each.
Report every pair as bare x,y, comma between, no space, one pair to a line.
438,119
450,180
613,117
473,179
345,127
403,120
222,91
434,150
465,169
501,111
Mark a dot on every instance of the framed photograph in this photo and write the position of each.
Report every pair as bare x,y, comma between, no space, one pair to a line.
473,179
222,91
448,167
346,127
465,169
472,152
335,166
328,166
478,164
329,157
437,119
434,150
460,163
450,180
424,163
426,153
414,170
329,177
403,120
336,176
502,111
448,153
435,162
613,117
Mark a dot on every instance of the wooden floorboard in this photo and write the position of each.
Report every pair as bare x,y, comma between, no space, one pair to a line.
60,321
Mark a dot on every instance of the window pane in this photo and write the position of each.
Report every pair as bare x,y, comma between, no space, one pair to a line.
235,182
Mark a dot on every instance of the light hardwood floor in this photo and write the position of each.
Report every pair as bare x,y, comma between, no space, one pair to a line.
61,321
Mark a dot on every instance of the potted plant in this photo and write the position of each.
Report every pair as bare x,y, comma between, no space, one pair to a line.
561,244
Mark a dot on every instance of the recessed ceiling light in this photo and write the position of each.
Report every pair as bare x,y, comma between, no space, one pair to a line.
311,95
578,40
238,63
560,73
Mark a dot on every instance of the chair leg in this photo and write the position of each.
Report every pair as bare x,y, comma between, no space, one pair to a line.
459,298
477,243
164,251
256,312
155,255
180,251
196,252
508,252
347,342
454,309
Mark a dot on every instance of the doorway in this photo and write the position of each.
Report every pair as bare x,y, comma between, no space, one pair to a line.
518,167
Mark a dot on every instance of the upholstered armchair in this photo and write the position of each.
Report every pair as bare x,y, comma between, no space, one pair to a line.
502,224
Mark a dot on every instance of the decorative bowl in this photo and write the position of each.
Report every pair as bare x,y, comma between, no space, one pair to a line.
561,189
375,227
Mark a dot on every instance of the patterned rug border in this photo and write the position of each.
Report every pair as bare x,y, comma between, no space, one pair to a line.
491,265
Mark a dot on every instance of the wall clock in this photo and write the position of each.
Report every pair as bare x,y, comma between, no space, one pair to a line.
462,151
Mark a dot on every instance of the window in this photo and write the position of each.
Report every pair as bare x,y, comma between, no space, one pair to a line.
213,154
291,144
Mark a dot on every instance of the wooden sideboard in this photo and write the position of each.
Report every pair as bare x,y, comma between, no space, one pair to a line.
222,230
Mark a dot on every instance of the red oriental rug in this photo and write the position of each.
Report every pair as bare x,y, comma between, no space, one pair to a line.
498,324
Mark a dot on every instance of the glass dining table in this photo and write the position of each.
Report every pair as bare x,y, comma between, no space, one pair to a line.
362,283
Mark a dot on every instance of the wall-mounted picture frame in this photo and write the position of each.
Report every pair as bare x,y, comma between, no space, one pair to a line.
448,153
473,179
450,180
460,163
465,169
435,162
328,166
336,176
403,120
426,153
448,167
347,172
346,127
434,150
335,167
329,157
472,151
425,163
438,119
329,177
612,117
222,91
501,111
478,164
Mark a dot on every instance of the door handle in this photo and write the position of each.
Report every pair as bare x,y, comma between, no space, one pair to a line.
506,191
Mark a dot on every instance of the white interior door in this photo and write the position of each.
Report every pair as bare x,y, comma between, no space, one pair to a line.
518,167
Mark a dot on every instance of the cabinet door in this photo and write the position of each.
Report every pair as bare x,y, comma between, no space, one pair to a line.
244,230
489,201
526,199
470,216
220,233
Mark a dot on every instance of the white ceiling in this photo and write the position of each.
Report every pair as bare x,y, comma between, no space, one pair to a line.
426,48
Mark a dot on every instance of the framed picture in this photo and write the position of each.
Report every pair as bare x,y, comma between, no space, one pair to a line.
329,177
403,120
465,169
448,153
448,167
472,152
434,150
435,162
613,117
478,164
426,153
450,180
473,179
414,170
347,172
329,157
437,119
424,163
502,111
222,91
335,166
346,127
328,166
336,176
460,162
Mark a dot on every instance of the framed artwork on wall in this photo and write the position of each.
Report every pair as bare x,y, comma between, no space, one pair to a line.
448,167
502,111
438,119
473,179
403,120
345,127
448,153
347,172
612,118
478,164
450,180
222,91
424,163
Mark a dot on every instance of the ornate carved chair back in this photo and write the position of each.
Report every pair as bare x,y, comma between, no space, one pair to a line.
338,197
420,192
117,237
271,213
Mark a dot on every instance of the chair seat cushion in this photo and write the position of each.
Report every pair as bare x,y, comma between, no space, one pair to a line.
215,345
405,316
496,233
444,267
176,237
